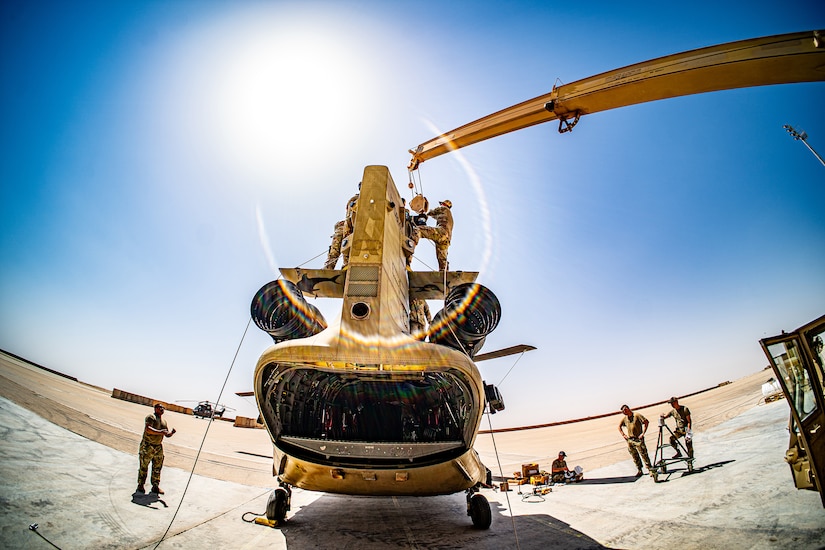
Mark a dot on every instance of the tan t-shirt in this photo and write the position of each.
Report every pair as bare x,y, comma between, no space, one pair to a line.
157,423
635,424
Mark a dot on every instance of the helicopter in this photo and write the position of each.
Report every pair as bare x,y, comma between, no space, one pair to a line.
366,406
208,409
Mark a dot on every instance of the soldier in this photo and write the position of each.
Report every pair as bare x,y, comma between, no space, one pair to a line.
419,318
335,247
342,230
561,473
441,233
151,449
635,437
409,230
683,426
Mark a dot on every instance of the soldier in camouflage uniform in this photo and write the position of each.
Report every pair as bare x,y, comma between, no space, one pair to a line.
636,427
151,449
342,230
410,230
683,425
441,233
419,318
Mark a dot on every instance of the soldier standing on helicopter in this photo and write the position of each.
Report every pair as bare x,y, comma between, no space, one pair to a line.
441,234
342,230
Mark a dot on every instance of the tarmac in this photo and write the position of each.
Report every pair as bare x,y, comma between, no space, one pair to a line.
77,484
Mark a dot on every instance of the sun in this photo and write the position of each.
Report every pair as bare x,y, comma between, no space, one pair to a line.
276,93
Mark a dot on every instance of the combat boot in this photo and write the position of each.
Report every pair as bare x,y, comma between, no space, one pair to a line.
157,490
140,488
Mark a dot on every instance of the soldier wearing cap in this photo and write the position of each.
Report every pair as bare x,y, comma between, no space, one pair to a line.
636,425
151,449
441,234
561,473
342,229
683,427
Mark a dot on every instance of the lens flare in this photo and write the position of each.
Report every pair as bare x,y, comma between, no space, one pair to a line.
481,198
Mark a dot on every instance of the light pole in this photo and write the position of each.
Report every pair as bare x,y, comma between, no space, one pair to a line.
803,137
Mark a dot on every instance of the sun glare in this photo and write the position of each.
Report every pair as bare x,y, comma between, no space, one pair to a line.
275,93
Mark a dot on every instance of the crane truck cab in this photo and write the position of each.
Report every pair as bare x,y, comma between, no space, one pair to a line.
797,359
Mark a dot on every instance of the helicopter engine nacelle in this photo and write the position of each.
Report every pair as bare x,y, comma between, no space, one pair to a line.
280,310
470,313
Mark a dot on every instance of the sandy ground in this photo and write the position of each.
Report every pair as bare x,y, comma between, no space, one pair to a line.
68,463
244,455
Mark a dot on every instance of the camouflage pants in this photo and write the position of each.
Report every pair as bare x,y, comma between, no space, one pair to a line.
442,242
154,454
680,432
335,247
412,232
638,450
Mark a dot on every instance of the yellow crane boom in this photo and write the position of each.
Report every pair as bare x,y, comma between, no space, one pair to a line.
780,59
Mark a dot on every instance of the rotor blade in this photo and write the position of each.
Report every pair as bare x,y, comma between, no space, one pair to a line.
244,393
780,59
513,350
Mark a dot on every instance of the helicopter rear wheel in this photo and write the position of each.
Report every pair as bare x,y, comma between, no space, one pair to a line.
480,512
277,505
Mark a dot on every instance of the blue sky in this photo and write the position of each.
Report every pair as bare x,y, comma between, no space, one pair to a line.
160,159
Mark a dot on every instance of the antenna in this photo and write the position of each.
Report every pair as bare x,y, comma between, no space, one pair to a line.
803,136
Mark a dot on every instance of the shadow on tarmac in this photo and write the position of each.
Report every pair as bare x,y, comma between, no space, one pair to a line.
148,499
665,477
422,522
608,480
707,467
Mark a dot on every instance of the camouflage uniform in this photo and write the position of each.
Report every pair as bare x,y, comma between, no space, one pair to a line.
681,415
419,317
635,442
342,229
440,234
151,450
558,477
335,247
410,231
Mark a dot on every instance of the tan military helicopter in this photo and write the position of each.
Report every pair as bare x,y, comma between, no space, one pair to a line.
364,407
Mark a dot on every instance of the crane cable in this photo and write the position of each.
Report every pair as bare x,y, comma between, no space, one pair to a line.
203,440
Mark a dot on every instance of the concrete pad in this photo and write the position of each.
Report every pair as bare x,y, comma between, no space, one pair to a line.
80,492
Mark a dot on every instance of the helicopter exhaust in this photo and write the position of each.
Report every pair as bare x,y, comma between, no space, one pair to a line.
470,313
280,310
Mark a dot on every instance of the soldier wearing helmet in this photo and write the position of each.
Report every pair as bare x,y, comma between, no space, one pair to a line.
441,234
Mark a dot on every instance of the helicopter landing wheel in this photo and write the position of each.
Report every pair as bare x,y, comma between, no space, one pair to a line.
479,511
277,505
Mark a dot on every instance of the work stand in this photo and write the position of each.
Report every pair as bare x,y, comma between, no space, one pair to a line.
659,461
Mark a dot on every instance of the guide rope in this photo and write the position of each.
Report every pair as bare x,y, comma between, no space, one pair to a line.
206,431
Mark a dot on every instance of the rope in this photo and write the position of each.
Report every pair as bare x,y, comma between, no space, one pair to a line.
211,419
501,474
511,368
313,258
